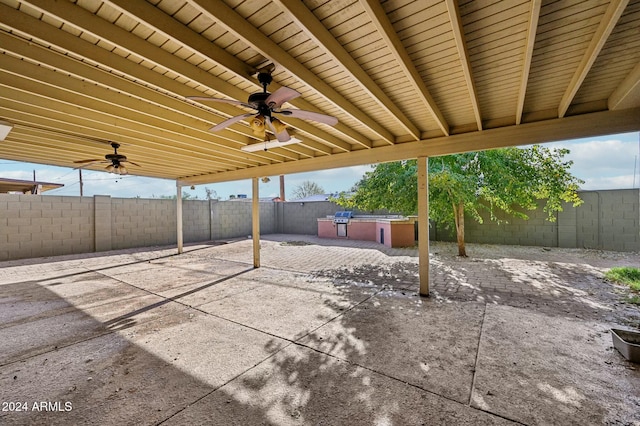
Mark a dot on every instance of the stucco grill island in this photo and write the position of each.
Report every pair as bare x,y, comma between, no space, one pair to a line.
390,230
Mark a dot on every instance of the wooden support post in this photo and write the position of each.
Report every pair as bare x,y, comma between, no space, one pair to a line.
255,223
282,196
423,224
179,217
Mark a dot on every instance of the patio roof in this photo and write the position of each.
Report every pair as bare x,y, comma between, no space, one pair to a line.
404,78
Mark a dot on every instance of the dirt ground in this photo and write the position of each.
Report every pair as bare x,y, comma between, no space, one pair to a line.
565,282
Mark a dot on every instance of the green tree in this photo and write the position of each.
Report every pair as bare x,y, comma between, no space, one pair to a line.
185,196
306,189
509,180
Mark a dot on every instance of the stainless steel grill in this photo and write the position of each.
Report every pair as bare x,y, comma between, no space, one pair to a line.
342,217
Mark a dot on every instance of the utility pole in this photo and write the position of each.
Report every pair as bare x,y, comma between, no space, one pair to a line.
80,172
35,185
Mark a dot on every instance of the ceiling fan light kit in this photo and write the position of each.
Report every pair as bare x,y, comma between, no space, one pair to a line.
278,125
257,125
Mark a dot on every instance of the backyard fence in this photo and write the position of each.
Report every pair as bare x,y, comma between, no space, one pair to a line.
46,225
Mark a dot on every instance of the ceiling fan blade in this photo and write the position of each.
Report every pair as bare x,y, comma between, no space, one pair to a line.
230,121
280,96
88,161
310,115
282,135
131,162
221,100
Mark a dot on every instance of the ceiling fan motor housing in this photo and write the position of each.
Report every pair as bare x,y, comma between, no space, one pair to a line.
115,157
259,98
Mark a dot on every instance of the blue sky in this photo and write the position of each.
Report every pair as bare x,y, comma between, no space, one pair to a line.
603,163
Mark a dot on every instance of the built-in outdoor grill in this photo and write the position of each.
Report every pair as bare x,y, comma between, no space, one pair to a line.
390,230
341,219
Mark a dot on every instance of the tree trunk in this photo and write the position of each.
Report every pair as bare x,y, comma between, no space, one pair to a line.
458,214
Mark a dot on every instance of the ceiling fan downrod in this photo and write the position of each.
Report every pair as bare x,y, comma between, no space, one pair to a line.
265,79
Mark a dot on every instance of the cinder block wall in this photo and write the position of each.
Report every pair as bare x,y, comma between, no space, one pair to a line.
196,220
43,225
139,222
607,220
536,231
301,218
36,225
232,219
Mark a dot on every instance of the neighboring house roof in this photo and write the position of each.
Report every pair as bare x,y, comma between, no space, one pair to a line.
261,199
26,186
317,197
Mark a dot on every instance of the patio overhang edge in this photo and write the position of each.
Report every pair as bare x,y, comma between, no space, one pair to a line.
572,127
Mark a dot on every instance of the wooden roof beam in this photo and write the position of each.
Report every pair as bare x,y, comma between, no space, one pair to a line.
176,31
60,122
627,94
315,30
534,14
607,23
24,143
458,35
158,104
253,37
65,41
86,21
50,59
387,32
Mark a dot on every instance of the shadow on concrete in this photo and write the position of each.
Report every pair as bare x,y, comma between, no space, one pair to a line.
362,366
70,367
62,366
200,245
126,320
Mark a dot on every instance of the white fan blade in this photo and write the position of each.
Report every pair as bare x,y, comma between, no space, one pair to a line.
89,163
283,136
280,96
230,121
95,160
310,115
224,101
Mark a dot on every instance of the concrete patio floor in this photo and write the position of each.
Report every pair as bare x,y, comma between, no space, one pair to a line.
326,332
